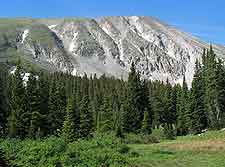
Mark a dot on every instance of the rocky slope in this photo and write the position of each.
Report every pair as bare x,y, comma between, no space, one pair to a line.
105,45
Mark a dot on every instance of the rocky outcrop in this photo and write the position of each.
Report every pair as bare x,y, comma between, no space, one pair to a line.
110,44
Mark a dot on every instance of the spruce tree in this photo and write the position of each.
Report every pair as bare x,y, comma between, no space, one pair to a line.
157,104
169,112
118,119
86,114
197,107
133,114
106,115
33,96
57,106
18,116
71,130
3,101
146,123
182,109
210,78
44,101
220,88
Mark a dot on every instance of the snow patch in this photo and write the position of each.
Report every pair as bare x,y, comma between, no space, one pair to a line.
72,44
134,18
13,70
74,72
26,77
52,26
106,30
120,45
25,34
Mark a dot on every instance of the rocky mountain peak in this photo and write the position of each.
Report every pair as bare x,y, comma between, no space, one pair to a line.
110,44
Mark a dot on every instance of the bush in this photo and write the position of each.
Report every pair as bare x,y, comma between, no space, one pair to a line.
159,134
3,161
99,151
169,133
140,139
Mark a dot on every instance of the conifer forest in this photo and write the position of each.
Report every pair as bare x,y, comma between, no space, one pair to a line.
67,109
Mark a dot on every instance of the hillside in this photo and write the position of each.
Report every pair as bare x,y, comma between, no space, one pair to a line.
106,45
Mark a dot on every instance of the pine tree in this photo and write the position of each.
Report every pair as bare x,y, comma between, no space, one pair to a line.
86,115
106,115
70,131
133,114
169,113
3,101
182,110
96,103
44,101
95,106
210,78
18,116
117,110
157,104
146,123
197,108
57,106
220,115
33,96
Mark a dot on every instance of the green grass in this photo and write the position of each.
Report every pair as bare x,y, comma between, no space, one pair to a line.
207,150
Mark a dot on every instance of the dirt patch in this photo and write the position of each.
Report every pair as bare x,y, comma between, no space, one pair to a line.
206,145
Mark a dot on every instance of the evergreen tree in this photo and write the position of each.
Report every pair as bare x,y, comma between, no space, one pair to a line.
33,96
210,78
96,103
18,116
86,115
106,115
182,109
133,114
220,115
3,101
146,123
157,104
117,116
57,106
197,108
169,110
71,124
44,101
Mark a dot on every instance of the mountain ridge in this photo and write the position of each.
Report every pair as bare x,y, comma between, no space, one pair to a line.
106,45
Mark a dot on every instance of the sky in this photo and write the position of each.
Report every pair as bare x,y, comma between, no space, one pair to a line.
202,18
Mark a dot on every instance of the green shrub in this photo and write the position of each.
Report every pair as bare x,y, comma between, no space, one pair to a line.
140,139
159,134
169,133
53,151
3,161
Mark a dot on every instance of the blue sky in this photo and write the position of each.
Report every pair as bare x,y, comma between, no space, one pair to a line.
203,18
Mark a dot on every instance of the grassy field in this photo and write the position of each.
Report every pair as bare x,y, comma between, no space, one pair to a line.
207,150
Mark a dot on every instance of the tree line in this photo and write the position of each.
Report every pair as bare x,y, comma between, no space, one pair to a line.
77,107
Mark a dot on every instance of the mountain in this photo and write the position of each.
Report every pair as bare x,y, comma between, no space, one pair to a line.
104,45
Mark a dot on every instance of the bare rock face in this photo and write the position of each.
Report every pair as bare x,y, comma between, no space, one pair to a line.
109,45
45,48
